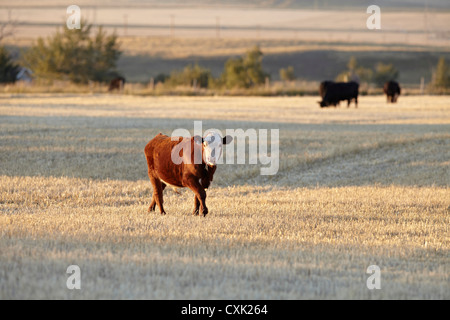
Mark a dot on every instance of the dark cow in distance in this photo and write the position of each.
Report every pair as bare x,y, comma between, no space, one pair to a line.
116,84
183,162
338,91
323,88
392,91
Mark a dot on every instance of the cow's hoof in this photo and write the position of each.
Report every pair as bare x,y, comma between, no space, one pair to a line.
151,208
163,213
205,212
195,212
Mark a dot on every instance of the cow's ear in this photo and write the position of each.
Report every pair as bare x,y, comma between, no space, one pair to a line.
198,139
227,139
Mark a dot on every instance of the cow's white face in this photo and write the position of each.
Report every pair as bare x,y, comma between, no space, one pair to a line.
212,148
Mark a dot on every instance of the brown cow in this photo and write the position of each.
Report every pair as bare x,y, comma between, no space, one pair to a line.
116,84
183,162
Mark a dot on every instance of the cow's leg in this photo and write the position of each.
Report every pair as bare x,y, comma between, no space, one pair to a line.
200,196
153,203
152,206
196,207
157,194
356,102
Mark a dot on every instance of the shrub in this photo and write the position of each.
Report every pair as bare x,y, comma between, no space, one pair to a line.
244,72
287,74
191,75
75,55
441,76
355,72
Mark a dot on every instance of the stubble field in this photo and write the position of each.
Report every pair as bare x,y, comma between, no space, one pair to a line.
355,188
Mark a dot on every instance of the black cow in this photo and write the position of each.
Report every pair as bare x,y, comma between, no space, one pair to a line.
338,91
323,88
392,91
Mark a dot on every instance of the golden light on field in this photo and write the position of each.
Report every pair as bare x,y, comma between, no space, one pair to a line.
356,187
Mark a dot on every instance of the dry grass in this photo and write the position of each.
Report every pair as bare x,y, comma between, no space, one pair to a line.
399,27
355,188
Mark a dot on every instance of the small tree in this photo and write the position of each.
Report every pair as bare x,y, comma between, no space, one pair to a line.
441,76
191,75
287,74
244,72
355,72
234,74
384,73
253,66
8,69
352,64
75,55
